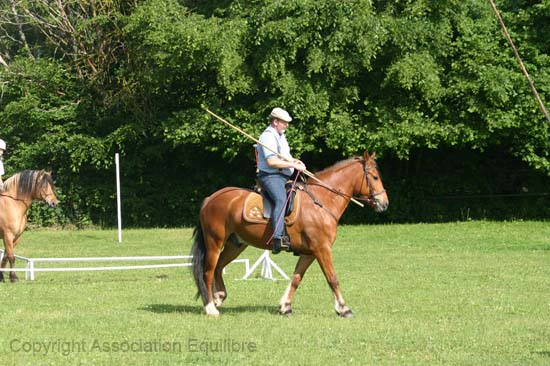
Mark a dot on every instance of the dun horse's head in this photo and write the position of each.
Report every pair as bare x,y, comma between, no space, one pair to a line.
372,188
45,189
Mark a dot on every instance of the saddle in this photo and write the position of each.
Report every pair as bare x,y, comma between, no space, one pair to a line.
255,212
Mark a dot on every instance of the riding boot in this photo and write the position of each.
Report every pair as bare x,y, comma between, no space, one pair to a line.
276,249
279,244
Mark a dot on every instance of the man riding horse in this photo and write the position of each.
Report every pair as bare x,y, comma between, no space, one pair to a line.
275,171
223,230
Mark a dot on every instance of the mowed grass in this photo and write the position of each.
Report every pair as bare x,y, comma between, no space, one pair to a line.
475,293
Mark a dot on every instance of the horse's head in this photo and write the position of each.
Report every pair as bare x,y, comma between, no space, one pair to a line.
45,189
372,189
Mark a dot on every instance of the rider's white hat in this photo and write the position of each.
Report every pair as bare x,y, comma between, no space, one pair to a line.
2,144
281,114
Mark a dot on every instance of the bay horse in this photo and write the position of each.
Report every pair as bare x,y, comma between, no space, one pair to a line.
222,234
15,200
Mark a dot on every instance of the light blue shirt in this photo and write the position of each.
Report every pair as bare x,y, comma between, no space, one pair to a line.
271,138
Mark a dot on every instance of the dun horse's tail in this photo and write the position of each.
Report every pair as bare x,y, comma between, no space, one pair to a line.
199,253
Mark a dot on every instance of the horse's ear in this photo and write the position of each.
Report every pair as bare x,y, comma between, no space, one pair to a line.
367,156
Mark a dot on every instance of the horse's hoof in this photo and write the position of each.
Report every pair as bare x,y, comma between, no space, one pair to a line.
285,312
218,300
211,310
346,314
14,279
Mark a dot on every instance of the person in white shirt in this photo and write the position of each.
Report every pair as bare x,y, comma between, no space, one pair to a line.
275,171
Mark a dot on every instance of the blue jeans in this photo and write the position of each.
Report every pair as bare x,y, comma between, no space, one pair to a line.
274,185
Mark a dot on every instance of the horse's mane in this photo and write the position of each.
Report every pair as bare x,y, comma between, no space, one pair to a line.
26,181
339,165
344,163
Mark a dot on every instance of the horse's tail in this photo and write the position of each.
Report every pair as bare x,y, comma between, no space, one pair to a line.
198,251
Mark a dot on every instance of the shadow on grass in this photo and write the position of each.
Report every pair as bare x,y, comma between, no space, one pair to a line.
198,309
171,309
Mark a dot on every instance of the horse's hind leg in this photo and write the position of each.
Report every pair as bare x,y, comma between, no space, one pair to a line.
303,264
233,247
210,263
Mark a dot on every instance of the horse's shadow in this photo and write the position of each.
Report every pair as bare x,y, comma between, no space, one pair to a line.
197,309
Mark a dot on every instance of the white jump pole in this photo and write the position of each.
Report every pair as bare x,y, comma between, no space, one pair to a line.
266,263
119,212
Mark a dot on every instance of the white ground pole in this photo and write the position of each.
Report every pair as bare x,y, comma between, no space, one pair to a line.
266,263
30,267
119,210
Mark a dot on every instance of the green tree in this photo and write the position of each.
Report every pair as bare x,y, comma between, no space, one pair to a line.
81,80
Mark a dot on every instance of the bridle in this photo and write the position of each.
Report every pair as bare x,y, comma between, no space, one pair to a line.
372,195
46,194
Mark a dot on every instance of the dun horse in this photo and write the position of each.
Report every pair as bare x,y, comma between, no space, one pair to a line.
222,233
15,200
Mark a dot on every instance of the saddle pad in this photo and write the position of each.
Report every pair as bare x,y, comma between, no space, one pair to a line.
253,210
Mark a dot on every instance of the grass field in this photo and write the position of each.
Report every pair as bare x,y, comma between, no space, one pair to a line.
475,293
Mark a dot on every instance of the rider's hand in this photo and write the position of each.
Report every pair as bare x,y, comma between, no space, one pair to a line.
299,165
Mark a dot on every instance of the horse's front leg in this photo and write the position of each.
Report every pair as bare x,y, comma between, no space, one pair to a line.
324,257
303,264
9,255
13,275
3,265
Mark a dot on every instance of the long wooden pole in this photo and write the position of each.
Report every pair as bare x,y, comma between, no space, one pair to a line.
309,174
520,62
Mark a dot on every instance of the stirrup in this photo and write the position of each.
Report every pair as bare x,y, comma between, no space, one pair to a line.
285,244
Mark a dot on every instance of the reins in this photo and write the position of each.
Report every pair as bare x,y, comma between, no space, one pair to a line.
15,199
318,203
369,199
